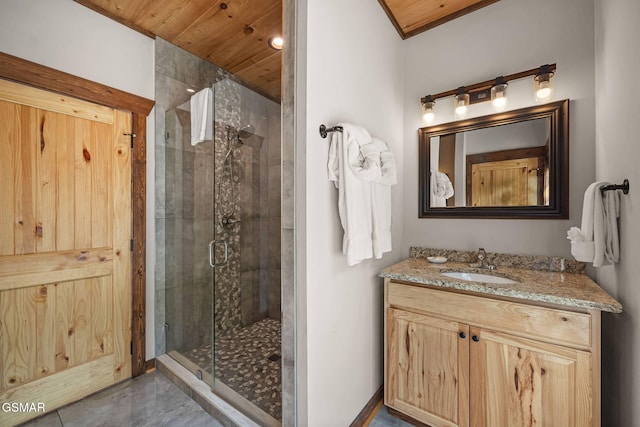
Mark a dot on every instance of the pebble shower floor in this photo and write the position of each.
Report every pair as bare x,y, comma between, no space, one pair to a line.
248,361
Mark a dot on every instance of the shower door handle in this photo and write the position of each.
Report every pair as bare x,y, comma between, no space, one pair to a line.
226,251
212,258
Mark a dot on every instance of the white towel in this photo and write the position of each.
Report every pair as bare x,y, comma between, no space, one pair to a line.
611,210
202,116
598,227
597,240
583,249
441,189
353,164
381,199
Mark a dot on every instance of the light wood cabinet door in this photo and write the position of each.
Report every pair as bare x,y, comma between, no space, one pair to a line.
517,382
427,368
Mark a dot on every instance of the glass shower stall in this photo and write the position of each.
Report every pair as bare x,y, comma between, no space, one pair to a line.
222,248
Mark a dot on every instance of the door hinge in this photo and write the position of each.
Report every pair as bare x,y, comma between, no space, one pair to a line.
132,135
131,245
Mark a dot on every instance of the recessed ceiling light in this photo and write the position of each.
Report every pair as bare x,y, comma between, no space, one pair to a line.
190,90
276,43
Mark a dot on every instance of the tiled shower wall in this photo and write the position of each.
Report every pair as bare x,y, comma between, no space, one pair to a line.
247,288
259,203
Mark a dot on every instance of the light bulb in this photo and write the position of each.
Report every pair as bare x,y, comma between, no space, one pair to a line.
276,43
499,94
428,105
500,102
542,83
460,102
543,91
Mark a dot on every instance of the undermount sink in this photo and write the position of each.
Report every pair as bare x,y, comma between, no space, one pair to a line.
477,277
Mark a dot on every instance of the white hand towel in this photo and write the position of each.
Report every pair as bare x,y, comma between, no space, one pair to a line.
588,206
583,249
599,232
611,209
202,116
441,189
381,199
364,160
575,234
351,170
597,239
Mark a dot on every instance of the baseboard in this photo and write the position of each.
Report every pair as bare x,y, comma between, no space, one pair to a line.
150,365
368,412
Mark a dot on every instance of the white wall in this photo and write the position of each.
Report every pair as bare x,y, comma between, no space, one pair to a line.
617,157
66,36
503,38
353,59
532,133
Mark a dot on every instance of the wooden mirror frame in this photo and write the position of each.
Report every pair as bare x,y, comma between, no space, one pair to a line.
558,208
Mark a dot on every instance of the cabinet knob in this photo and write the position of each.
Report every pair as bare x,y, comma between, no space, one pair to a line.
475,338
462,335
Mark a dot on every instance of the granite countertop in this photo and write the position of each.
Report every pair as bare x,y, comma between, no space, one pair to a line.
554,287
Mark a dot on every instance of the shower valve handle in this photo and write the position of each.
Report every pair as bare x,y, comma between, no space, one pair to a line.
212,260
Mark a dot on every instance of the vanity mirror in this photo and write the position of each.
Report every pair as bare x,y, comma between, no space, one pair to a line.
507,165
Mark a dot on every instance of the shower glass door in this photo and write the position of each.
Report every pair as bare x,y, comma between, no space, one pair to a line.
185,229
221,231
246,322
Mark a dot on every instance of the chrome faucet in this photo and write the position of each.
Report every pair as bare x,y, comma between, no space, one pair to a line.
482,261
482,257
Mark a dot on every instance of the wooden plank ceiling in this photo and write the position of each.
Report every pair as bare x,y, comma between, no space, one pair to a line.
411,17
231,34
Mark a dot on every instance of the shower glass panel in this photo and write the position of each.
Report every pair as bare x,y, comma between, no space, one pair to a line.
188,217
223,323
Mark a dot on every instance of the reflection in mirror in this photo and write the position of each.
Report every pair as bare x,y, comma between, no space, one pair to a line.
512,164
498,166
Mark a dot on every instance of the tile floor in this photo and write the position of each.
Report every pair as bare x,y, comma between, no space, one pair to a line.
149,400
384,419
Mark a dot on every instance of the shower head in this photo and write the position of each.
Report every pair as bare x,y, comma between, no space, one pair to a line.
246,132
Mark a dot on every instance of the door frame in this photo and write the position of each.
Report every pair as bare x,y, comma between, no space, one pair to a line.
42,77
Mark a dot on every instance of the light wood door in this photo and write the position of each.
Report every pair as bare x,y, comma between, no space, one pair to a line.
427,368
517,382
505,183
65,260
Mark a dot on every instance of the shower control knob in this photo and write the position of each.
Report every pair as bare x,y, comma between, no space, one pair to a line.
228,221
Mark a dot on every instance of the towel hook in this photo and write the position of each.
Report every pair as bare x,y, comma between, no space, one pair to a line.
325,130
624,187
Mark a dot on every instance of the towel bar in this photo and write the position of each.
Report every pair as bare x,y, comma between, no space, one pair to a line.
325,130
624,187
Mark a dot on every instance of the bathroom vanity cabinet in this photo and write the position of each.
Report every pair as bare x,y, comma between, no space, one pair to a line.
458,358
